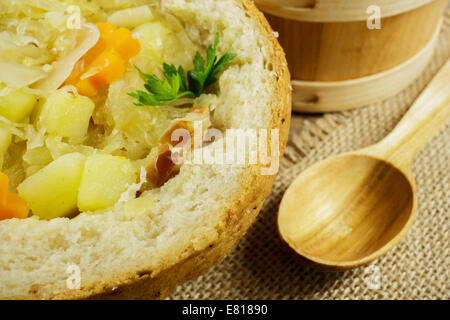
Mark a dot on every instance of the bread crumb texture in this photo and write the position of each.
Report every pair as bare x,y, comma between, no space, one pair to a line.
170,223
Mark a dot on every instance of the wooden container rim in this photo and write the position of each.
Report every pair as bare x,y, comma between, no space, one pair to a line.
332,96
335,10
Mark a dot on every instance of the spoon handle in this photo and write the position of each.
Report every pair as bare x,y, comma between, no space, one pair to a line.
425,117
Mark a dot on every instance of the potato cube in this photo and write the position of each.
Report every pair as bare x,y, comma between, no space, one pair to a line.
5,142
152,37
52,192
17,105
66,115
131,17
105,178
5,139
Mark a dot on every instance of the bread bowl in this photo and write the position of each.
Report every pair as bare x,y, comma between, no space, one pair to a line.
194,219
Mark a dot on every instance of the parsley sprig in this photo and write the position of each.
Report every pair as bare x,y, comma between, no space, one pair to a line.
174,85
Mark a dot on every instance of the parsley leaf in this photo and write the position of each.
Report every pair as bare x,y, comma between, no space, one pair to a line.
203,76
174,86
165,91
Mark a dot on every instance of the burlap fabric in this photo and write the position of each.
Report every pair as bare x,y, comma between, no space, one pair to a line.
262,267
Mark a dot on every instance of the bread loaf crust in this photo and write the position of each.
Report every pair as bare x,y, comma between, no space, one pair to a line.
141,283
241,215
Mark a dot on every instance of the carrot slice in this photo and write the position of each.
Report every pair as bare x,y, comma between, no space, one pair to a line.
105,61
125,44
4,182
107,32
11,204
16,208
86,88
110,65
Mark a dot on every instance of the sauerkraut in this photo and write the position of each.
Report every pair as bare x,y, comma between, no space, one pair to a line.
42,43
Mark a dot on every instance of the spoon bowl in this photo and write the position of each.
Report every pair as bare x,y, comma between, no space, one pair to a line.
345,211
337,224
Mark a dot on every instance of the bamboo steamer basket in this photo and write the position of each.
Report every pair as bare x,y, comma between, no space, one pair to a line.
338,63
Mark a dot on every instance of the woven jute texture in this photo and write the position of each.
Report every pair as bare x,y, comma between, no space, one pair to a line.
262,267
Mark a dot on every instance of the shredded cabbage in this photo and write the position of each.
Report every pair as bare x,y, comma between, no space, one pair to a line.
131,17
16,75
38,50
88,37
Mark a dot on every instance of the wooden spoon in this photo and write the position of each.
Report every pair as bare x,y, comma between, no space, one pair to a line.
346,211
